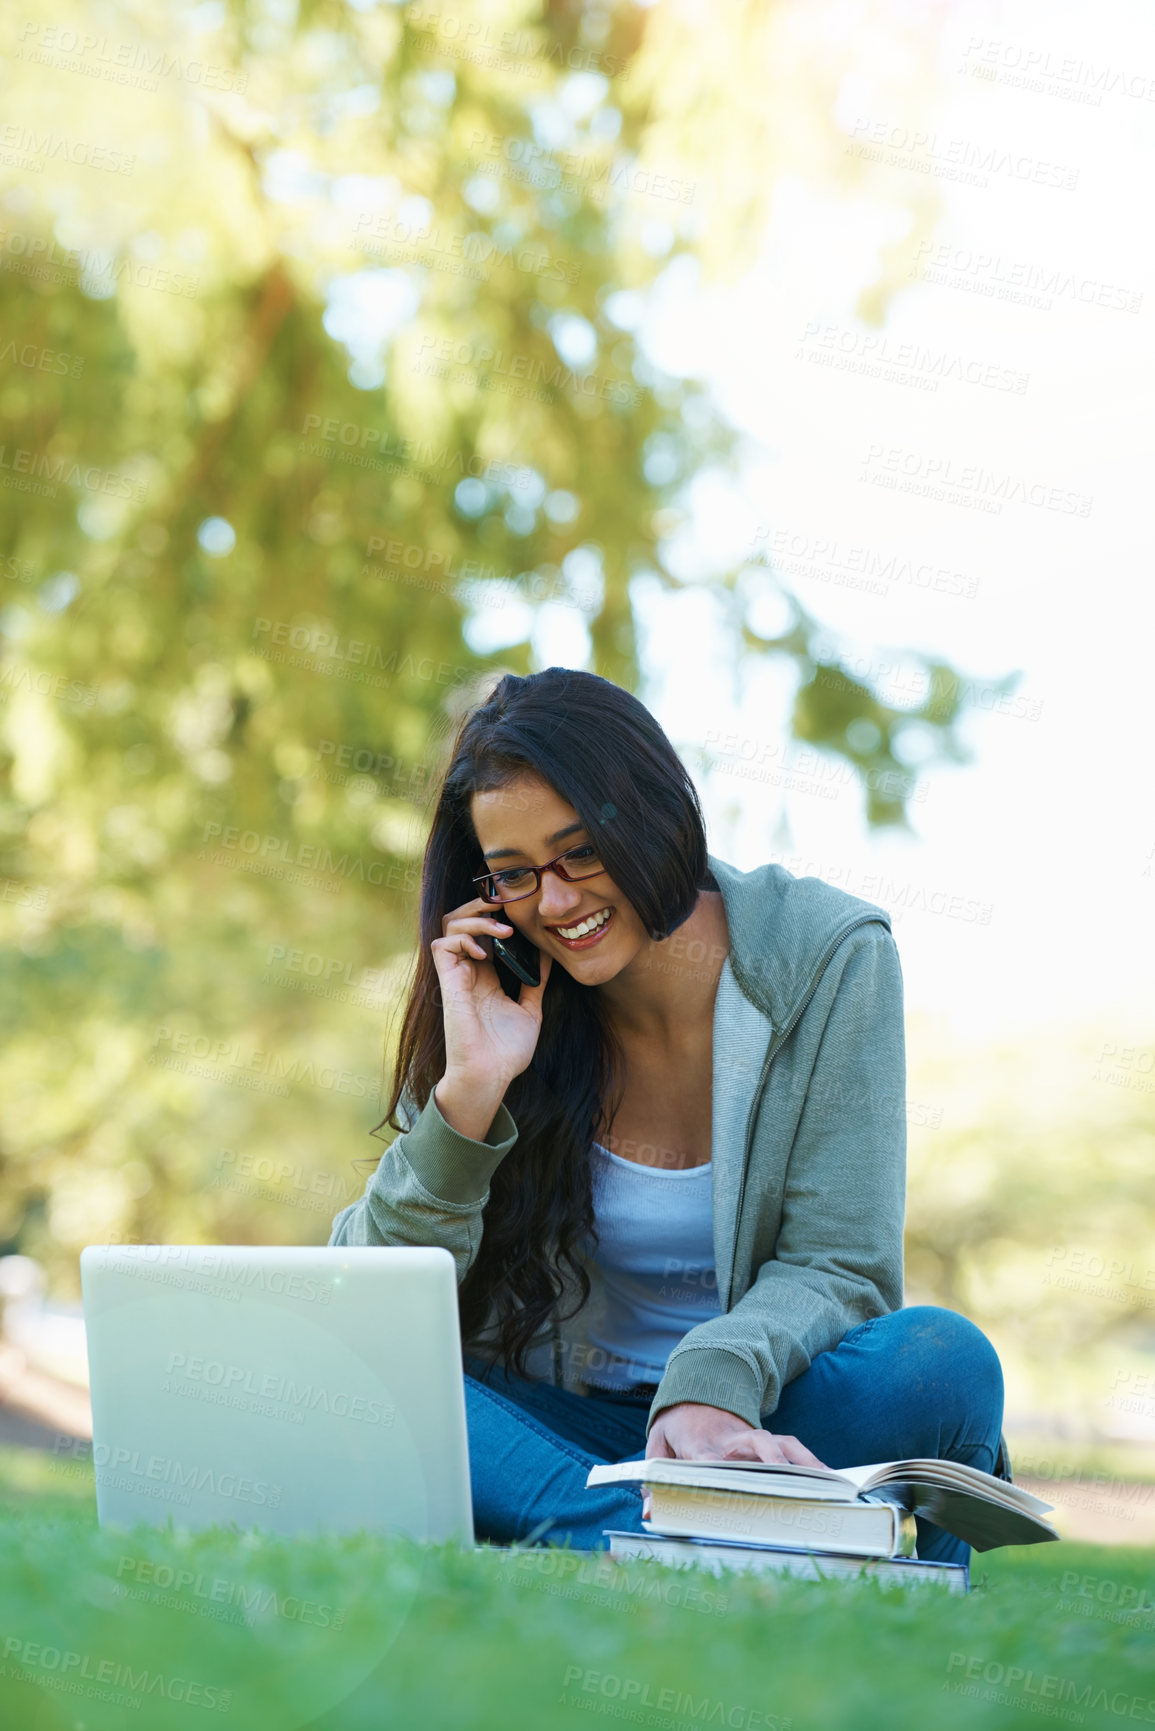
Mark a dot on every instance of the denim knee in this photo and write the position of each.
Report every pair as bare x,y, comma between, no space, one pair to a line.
960,1340
954,1350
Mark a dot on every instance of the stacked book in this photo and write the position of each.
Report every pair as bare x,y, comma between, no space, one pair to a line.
762,1516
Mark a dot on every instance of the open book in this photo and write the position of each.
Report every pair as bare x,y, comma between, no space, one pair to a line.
975,1506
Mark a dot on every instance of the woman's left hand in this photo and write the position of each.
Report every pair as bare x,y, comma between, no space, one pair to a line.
691,1431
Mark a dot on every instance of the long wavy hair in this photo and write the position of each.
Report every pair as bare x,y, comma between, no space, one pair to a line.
603,752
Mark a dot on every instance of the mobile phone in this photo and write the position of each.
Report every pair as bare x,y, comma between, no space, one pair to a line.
520,956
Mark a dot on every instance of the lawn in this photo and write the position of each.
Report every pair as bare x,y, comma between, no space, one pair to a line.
103,1630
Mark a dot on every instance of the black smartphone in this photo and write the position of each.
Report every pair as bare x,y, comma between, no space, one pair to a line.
520,957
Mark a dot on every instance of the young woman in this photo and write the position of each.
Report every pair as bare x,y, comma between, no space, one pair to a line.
672,1174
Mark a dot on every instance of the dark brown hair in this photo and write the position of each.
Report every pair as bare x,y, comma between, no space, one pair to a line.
603,752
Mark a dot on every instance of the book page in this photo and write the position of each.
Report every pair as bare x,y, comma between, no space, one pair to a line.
952,1475
818,1481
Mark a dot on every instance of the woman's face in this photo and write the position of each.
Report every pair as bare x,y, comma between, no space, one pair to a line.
526,822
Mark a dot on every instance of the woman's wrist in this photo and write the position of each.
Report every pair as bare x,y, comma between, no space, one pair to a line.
470,1104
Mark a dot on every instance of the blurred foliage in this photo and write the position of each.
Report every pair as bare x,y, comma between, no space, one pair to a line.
1031,1210
323,389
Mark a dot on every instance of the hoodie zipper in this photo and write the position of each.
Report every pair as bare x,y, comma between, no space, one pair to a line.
774,1048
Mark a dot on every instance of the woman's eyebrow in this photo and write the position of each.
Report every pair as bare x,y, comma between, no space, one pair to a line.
550,841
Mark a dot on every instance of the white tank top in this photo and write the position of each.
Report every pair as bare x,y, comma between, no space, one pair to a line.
655,1256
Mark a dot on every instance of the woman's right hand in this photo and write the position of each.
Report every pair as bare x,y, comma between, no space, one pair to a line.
489,1036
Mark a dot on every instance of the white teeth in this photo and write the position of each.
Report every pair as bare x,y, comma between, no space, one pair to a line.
580,931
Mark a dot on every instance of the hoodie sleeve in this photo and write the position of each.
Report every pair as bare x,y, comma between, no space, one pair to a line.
838,1257
429,1188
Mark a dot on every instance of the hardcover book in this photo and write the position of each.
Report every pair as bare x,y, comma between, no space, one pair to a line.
718,1554
752,1500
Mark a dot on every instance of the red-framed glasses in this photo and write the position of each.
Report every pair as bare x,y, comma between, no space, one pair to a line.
514,883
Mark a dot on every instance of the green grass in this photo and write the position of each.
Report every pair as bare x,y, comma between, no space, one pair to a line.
359,1635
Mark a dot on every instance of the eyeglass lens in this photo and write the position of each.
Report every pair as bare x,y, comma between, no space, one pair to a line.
516,881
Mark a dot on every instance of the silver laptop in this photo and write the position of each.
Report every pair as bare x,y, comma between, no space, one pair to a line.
298,1390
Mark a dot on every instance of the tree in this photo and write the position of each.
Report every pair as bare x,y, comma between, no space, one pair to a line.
324,343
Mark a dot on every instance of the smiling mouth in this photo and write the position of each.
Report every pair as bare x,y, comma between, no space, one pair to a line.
583,933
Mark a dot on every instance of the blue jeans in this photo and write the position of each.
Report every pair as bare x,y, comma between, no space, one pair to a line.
921,1382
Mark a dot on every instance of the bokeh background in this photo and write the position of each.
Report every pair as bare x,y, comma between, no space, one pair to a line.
786,363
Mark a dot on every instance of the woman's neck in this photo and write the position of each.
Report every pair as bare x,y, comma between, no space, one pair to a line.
670,986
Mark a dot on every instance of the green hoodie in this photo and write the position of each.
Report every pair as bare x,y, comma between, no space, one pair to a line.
808,1149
